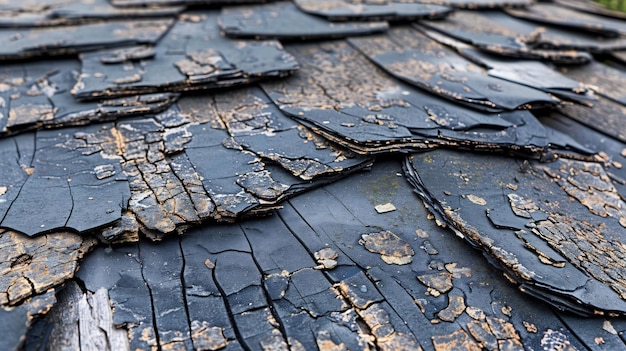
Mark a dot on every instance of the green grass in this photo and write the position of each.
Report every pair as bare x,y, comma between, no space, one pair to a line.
619,5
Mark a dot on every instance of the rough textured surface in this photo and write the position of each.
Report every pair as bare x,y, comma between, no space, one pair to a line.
16,321
518,218
386,115
260,127
601,78
37,95
138,215
193,55
611,153
32,266
180,293
80,321
531,73
30,270
152,174
483,33
419,60
605,115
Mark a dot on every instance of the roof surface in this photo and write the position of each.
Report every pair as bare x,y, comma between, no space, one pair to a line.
328,174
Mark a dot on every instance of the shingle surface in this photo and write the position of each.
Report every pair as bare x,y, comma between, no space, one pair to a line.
379,174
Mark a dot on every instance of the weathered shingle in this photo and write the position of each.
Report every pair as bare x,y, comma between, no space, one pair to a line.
163,151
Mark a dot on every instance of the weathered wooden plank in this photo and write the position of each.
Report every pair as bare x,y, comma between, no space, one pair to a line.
83,320
118,271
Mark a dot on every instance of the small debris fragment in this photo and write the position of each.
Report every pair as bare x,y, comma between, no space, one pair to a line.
456,307
608,327
530,327
421,234
388,207
458,272
392,248
429,248
477,200
475,312
385,334
506,310
326,343
522,207
104,171
437,283
326,258
598,340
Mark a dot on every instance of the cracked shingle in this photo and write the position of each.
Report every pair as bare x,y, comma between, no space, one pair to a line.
191,56
582,245
341,10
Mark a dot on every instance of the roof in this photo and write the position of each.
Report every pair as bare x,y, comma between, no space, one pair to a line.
312,174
